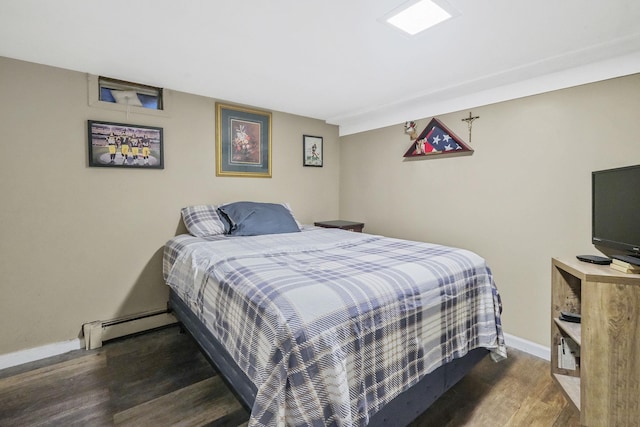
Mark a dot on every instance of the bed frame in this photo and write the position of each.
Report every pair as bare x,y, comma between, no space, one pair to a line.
399,412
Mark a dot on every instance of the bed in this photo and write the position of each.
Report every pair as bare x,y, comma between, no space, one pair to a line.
330,327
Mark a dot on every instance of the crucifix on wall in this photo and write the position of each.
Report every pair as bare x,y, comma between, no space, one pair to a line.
469,121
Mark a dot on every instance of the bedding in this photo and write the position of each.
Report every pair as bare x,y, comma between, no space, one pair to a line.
210,220
203,220
254,219
330,326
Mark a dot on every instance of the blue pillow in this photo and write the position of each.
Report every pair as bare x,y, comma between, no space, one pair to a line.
255,219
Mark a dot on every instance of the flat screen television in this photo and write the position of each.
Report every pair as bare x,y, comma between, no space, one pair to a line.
615,209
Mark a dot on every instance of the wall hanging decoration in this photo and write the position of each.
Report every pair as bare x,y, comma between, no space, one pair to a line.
243,142
312,150
437,139
410,129
469,121
123,145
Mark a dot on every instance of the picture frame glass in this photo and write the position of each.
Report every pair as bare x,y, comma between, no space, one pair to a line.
312,150
122,145
243,142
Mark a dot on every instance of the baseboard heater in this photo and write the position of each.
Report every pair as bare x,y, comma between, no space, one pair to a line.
95,333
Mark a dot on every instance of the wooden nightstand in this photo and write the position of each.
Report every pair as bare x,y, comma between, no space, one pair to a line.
343,225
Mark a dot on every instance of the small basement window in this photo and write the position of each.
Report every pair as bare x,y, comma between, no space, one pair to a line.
126,93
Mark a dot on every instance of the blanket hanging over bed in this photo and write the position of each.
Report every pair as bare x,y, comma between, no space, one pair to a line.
331,325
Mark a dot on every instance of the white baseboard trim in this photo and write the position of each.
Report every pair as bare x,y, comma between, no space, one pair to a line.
30,355
527,346
25,356
103,331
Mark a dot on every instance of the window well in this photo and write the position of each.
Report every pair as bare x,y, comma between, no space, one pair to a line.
127,93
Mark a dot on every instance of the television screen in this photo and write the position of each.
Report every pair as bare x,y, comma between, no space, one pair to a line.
616,209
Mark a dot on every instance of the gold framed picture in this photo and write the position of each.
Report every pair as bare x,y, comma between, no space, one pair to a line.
243,142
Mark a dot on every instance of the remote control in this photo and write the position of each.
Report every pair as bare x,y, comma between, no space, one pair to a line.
594,259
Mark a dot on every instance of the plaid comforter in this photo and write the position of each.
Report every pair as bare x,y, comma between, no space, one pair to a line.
331,325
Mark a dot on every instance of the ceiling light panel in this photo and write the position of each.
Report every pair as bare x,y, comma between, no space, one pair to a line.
415,17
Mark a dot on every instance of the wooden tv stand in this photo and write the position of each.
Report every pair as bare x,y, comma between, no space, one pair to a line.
605,384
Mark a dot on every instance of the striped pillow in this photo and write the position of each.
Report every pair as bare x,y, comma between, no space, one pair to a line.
202,220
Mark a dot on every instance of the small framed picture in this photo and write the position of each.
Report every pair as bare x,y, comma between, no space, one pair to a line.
243,142
119,145
312,150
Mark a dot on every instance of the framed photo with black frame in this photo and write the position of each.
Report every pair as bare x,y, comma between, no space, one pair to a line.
120,145
243,142
312,150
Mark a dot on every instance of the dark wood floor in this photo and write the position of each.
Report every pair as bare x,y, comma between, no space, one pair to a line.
161,379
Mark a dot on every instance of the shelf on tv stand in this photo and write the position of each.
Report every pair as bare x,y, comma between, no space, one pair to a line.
574,330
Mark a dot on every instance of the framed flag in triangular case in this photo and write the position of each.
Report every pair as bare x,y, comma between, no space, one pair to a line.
437,139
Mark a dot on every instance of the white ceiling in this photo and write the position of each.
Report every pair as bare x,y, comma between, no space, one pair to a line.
334,60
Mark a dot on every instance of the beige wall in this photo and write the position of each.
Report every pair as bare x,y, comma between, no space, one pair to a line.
79,244
523,196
